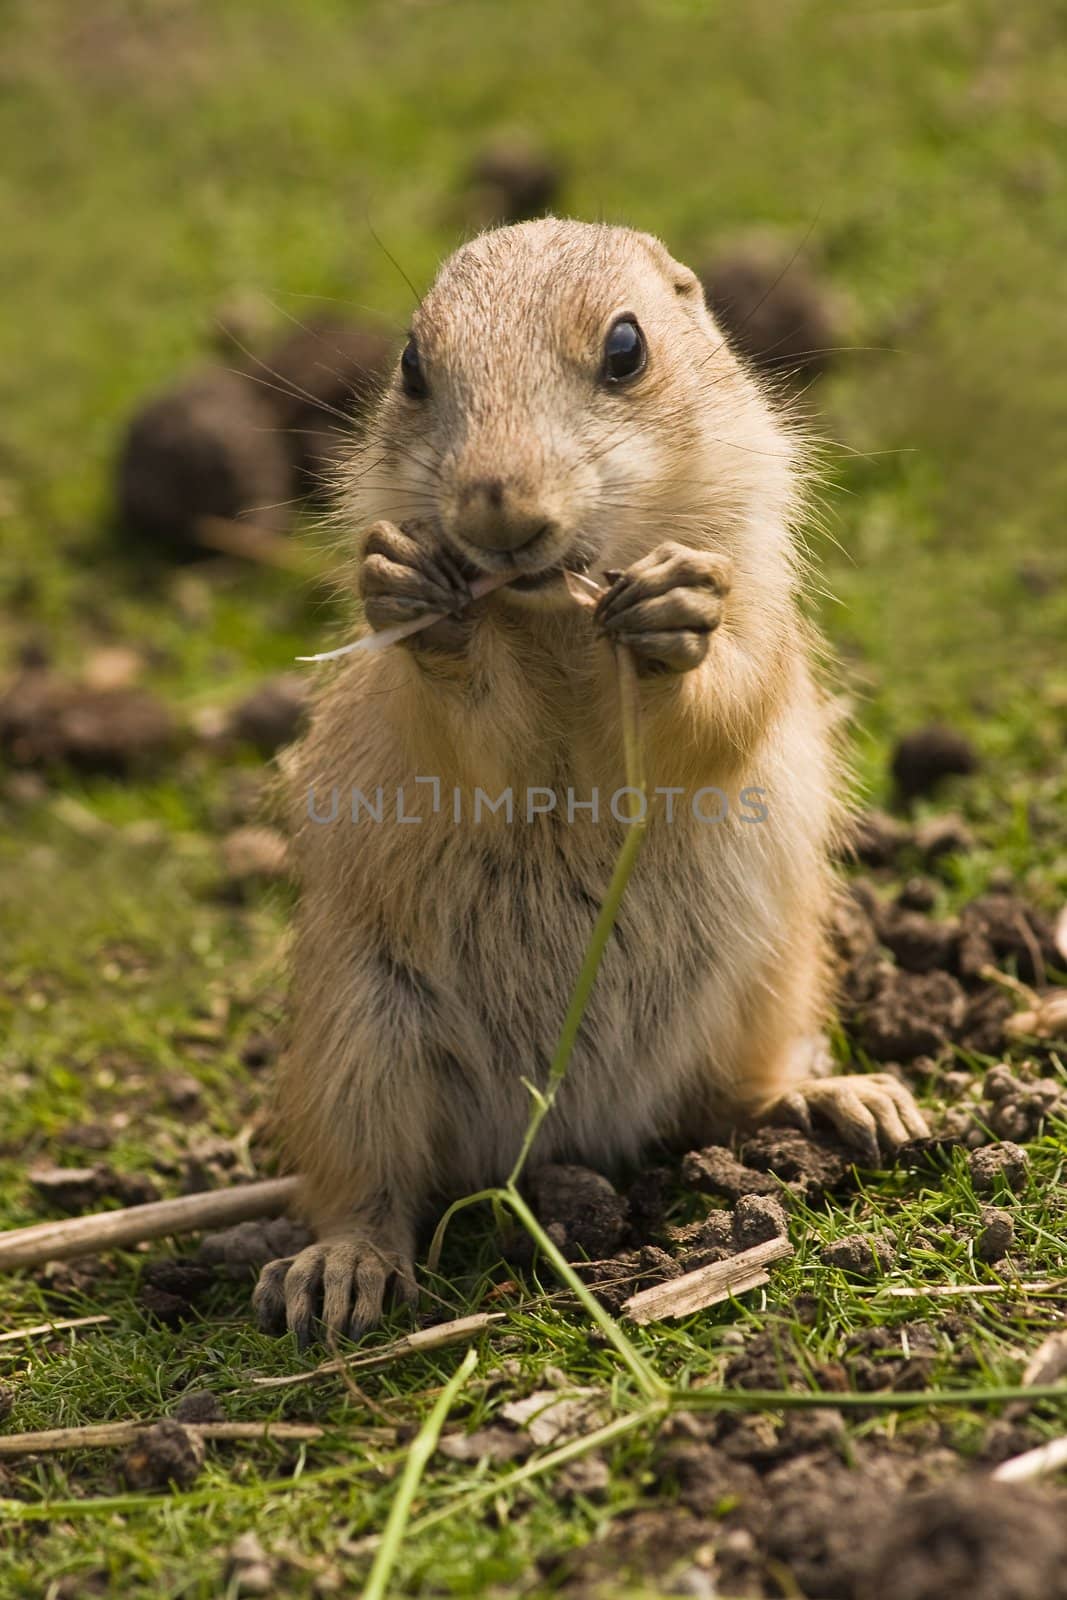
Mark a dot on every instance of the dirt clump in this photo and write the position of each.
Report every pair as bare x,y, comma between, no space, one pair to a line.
917,894
809,1165
853,1252
898,1357
321,382
1002,928
926,756
998,1165
166,1455
511,180
946,835
989,1541
876,839
207,447
666,1542
772,310
74,1190
716,1170
909,1014
917,942
712,1239
580,1210
273,715
996,1236
197,1405
170,1290
983,1029
47,720
1021,1105
647,1199
757,1218
248,1246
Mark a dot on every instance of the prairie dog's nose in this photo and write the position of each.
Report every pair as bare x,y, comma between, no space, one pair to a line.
496,515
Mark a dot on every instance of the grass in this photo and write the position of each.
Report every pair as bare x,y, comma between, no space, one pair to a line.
159,158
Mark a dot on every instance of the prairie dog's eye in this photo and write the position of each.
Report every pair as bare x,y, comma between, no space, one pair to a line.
624,351
411,374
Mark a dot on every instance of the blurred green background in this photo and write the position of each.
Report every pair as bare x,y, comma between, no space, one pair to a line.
161,157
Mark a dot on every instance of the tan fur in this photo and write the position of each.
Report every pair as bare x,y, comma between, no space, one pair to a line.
433,962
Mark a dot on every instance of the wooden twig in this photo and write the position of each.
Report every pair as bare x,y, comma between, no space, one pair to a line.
262,547
122,1433
707,1286
112,1230
422,1340
1049,1361
40,1328
956,1291
1033,1463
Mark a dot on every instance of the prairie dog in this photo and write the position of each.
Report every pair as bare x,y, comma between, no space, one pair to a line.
564,400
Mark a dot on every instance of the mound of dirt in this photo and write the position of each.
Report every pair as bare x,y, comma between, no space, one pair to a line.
208,447
167,1455
772,310
320,382
986,1540
48,720
926,756
580,1209
273,714
511,180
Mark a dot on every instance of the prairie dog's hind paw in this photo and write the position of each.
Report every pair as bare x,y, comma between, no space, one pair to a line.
340,1283
871,1111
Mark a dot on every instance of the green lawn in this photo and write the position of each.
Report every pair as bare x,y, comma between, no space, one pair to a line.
162,156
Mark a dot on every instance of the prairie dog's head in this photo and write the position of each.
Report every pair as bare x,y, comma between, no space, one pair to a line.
565,399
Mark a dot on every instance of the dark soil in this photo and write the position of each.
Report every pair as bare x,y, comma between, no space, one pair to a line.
772,311
580,1210
998,1166
511,180
46,720
973,1537
209,447
241,1250
198,1405
73,1190
320,383
272,715
923,758
167,1455
854,1253
759,1498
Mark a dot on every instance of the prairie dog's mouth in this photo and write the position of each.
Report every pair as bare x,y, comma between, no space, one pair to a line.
538,580
530,575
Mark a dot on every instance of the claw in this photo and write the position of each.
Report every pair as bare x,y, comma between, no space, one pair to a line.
268,1297
340,1283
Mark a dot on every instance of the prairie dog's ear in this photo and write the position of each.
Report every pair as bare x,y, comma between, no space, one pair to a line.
683,279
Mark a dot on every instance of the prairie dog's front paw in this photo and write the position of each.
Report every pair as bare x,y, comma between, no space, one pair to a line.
667,606
407,574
